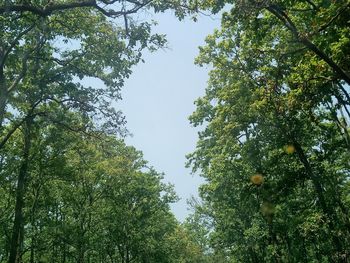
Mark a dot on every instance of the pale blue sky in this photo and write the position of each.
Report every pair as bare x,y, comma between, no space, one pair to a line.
158,98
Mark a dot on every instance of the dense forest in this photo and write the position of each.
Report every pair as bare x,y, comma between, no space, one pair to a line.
273,149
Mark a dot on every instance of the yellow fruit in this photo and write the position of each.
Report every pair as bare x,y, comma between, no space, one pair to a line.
257,179
289,149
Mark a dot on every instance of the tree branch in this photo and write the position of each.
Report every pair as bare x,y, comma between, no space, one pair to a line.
19,124
10,132
48,10
13,43
283,17
21,75
341,10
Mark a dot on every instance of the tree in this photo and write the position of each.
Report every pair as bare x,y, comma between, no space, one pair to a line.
46,50
88,200
276,134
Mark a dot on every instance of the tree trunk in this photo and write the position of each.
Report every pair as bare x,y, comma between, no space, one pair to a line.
327,210
3,96
17,231
32,250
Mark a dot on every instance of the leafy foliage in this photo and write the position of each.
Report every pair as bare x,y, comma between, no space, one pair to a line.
71,191
275,149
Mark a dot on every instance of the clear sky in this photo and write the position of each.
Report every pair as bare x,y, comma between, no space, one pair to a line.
158,98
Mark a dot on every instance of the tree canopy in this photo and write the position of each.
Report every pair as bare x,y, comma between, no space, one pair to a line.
275,146
71,191
273,149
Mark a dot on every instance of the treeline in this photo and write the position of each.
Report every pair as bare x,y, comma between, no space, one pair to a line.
274,150
85,200
275,145
70,191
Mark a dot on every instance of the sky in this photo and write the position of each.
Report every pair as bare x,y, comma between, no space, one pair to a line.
159,97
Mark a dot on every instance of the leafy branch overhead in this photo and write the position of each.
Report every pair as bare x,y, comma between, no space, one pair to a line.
107,8
47,47
62,65
273,148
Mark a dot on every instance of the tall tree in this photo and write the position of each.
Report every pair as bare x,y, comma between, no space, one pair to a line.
276,134
88,200
46,50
